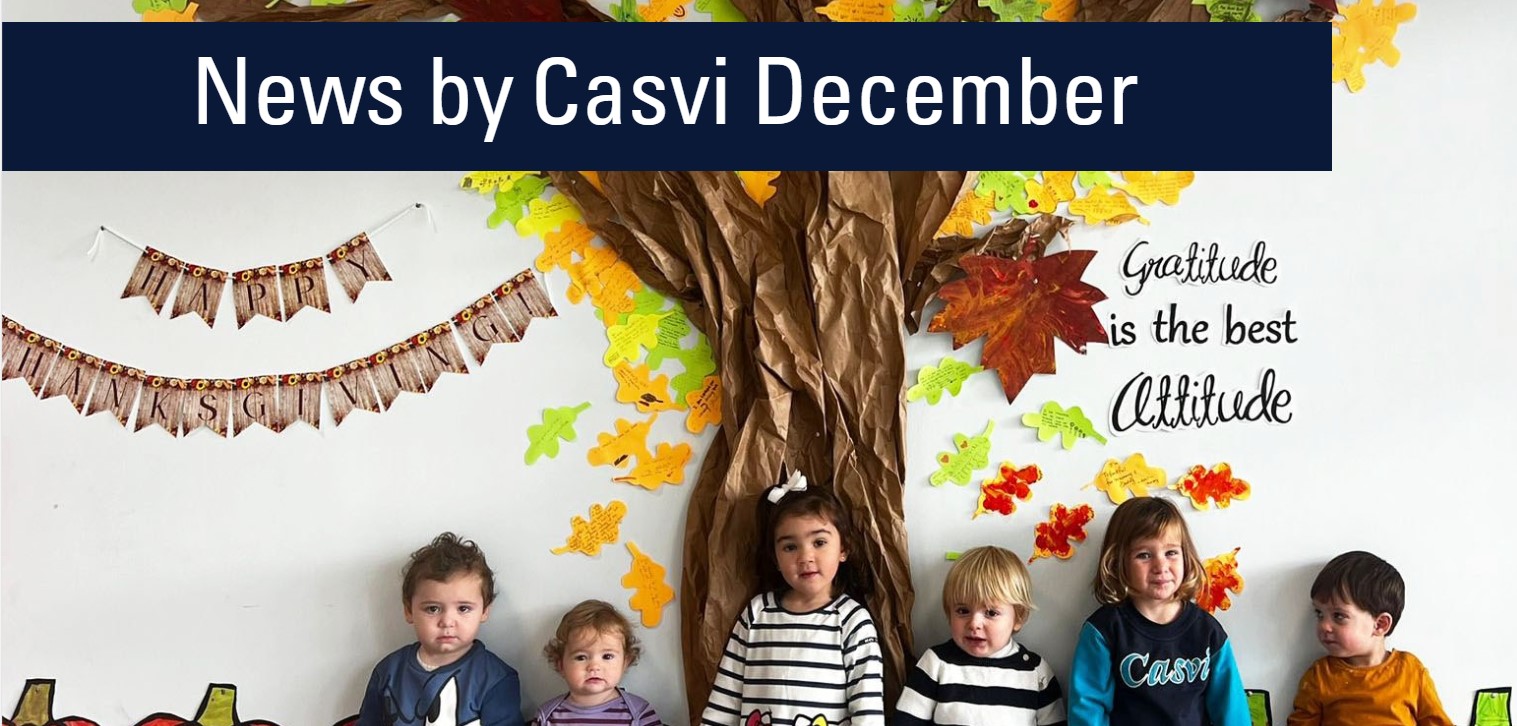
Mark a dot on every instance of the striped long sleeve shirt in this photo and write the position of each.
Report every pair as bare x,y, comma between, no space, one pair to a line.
800,666
949,687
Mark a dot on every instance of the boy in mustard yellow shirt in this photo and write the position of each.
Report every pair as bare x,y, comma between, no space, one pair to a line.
1358,599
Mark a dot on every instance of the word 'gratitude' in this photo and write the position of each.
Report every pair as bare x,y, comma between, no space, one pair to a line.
1200,268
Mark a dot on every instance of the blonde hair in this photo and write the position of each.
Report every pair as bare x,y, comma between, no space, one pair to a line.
986,575
1142,518
598,616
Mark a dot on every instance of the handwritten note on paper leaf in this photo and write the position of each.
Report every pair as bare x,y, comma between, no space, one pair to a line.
637,385
971,453
1110,206
666,466
1230,11
658,11
971,210
1366,34
698,363
705,405
602,528
1041,199
558,423
1092,179
759,184
1007,188
1130,478
1062,11
1221,578
560,247
485,182
170,15
858,11
627,339
649,591
1065,527
721,11
1027,11
509,202
619,449
1217,485
913,11
1156,186
948,375
1071,425
1000,493
606,279
1061,184
546,216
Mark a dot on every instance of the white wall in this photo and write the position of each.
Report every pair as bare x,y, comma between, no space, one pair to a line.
138,568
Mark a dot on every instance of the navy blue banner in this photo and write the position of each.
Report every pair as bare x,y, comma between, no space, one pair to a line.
421,96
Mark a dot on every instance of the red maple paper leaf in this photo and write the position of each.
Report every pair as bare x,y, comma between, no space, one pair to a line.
1217,485
1221,576
1000,493
1019,307
1065,526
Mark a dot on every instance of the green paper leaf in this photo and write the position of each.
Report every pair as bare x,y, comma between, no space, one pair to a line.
722,11
1006,11
558,423
971,453
949,375
1230,11
1070,425
698,363
510,203
1091,179
1008,188
1493,707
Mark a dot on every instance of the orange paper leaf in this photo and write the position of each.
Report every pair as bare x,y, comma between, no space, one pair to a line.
1065,526
603,528
1157,186
559,247
1105,205
666,466
759,184
705,405
607,280
1019,307
1221,578
972,209
649,591
1217,485
637,386
1000,492
858,11
630,441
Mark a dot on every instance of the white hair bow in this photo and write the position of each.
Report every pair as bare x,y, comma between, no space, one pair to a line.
796,483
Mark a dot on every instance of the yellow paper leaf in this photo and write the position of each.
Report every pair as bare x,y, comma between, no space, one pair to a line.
1062,183
971,210
619,449
1041,199
1062,11
603,528
487,182
546,216
1348,64
1156,186
666,466
859,11
1130,478
1366,34
659,10
705,405
1105,205
559,247
171,16
606,279
649,591
626,339
759,184
635,385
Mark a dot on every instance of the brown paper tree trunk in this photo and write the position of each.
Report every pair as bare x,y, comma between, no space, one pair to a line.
812,376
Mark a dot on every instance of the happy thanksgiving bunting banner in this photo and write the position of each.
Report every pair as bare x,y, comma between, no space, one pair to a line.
229,406
274,291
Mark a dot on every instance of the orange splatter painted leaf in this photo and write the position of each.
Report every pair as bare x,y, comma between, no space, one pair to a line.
1065,527
1221,578
1217,485
1019,307
619,449
1000,492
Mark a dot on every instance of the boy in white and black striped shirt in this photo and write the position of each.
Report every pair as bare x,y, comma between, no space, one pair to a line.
982,675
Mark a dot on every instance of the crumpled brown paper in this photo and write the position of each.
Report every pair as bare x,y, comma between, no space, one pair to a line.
803,302
1138,11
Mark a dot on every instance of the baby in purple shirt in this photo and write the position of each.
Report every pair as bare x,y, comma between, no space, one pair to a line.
592,648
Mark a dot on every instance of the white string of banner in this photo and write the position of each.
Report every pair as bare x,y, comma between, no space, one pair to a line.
105,229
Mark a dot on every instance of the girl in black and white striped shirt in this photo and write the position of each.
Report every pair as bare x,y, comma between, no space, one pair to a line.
806,647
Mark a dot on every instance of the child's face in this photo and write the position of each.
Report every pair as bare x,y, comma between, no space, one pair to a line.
808,551
1155,567
984,628
1348,631
592,665
446,616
